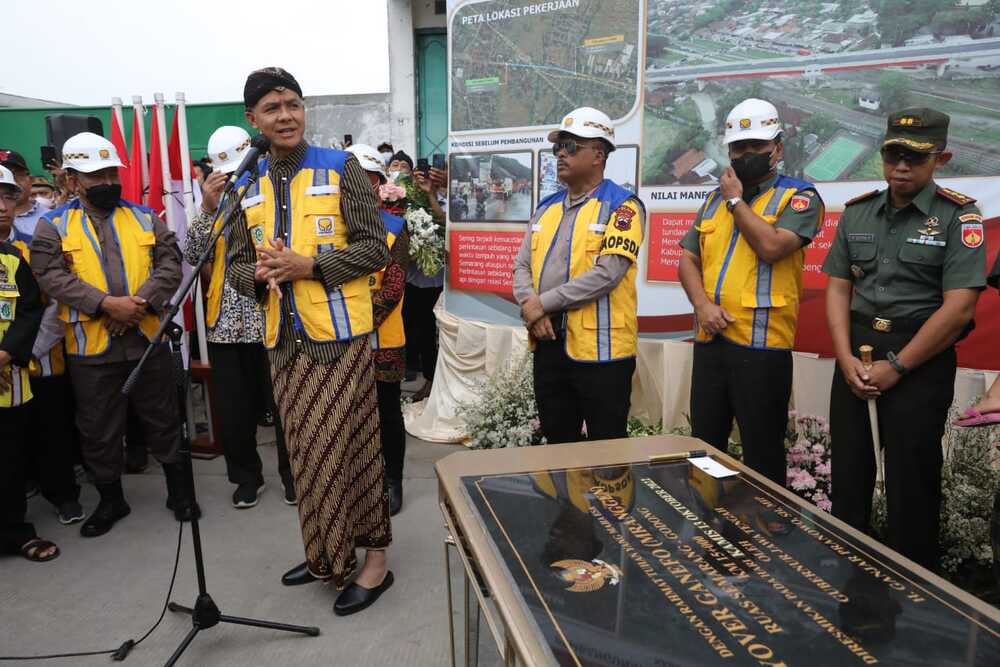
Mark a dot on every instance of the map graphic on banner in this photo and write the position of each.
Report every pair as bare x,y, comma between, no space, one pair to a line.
668,72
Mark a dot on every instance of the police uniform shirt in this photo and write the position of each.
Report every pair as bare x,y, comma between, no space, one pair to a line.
58,280
901,261
804,223
557,292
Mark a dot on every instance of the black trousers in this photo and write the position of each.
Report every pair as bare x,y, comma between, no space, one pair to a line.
102,411
390,415
420,326
243,381
752,385
569,393
14,530
51,436
911,419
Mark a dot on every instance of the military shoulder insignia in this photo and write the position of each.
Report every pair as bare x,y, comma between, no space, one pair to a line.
623,218
954,197
860,198
970,217
584,576
799,202
972,234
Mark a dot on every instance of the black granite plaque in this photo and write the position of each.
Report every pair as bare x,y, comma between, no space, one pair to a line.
664,565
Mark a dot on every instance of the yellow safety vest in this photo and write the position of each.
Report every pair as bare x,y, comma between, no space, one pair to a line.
609,223
764,298
315,224
19,392
390,334
133,227
52,362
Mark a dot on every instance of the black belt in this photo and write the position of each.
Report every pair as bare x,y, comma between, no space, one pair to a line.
896,325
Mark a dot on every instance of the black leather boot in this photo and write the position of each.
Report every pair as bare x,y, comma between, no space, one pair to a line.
180,496
111,508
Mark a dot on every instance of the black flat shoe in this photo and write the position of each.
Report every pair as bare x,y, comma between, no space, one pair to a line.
357,598
104,517
395,496
299,575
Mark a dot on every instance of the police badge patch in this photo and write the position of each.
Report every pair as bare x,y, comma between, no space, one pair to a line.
6,311
623,218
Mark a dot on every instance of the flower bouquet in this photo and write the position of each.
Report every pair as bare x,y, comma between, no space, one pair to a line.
808,454
405,199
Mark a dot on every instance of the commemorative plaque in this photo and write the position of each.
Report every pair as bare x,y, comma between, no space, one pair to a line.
641,564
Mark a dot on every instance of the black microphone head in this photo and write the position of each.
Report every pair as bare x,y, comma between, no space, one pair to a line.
261,143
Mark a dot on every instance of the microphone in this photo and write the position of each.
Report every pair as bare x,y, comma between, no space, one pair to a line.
259,144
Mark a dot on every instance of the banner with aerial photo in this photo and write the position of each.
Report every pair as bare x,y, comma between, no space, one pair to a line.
668,72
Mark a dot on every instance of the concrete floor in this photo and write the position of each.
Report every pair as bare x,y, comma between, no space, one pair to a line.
102,591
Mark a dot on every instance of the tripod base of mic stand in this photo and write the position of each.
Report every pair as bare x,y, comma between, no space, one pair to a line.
206,614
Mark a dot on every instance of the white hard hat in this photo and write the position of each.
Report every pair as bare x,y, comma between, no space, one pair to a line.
370,159
89,152
226,148
7,178
752,119
586,123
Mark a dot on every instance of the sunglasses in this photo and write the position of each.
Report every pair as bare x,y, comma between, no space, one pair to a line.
895,155
571,146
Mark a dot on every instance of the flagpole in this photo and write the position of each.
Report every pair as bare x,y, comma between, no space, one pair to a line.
141,115
161,122
199,307
116,108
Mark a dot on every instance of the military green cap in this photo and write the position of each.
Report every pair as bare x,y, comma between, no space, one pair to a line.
919,129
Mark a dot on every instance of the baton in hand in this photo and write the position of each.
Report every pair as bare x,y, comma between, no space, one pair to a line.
866,361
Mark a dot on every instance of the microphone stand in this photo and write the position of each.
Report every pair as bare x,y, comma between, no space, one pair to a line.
205,614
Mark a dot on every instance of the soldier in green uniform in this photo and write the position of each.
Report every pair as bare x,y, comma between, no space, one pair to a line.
906,269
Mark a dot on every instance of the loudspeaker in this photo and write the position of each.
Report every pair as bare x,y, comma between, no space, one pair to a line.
61,126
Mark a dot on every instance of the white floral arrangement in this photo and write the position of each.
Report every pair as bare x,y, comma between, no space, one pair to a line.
503,412
426,240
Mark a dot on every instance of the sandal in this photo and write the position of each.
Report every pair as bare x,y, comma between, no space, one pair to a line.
32,548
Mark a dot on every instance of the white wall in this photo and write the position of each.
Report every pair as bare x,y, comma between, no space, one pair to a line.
402,79
424,16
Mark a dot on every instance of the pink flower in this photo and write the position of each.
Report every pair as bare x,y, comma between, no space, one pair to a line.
825,505
391,192
803,480
818,450
823,469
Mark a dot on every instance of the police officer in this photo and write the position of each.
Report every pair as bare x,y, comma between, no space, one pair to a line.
574,277
742,271
112,265
235,334
20,317
906,268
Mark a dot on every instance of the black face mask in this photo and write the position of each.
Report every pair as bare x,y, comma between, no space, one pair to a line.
751,168
104,197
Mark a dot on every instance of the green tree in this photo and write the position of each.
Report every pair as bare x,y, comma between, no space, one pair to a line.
821,124
894,87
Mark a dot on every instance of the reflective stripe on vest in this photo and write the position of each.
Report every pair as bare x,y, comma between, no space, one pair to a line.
606,329
52,362
19,391
390,335
764,298
132,226
315,223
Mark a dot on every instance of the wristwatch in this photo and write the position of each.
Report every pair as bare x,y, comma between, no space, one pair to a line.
732,202
896,363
